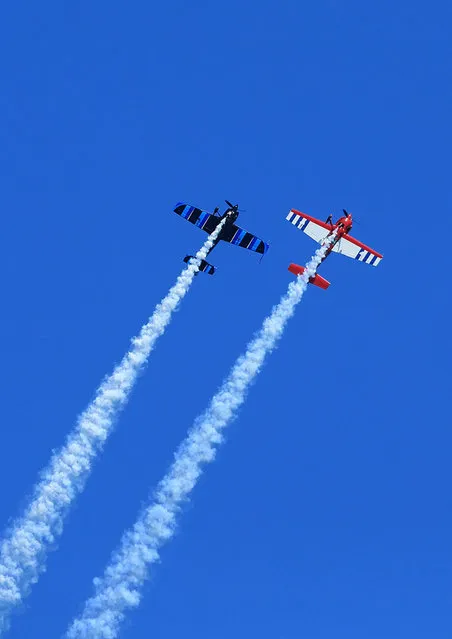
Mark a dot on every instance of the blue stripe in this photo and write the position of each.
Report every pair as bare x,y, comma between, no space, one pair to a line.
254,244
359,254
186,212
292,215
239,237
202,219
303,225
373,259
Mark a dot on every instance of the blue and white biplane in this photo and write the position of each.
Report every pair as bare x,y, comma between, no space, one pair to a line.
229,233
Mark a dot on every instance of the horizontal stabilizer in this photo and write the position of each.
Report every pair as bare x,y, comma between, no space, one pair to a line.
317,280
204,267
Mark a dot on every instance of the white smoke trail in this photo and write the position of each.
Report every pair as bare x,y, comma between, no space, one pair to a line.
119,588
23,549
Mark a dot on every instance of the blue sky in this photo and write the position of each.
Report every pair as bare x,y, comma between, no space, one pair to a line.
327,512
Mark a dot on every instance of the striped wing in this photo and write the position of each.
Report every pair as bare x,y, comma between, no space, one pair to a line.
314,228
347,245
238,236
350,247
202,219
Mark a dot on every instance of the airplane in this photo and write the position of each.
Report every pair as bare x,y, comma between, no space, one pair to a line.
342,242
229,233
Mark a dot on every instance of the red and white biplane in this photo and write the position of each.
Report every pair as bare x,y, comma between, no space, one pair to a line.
342,242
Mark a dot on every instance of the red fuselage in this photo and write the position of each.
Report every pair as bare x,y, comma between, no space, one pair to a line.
342,227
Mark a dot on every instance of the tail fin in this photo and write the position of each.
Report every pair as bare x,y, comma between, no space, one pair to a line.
317,280
204,267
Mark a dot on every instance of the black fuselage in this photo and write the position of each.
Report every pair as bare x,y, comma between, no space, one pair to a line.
231,216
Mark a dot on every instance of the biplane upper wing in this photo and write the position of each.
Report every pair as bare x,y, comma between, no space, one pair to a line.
202,219
238,236
347,245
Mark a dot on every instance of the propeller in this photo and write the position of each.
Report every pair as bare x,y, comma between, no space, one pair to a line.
235,207
354,218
